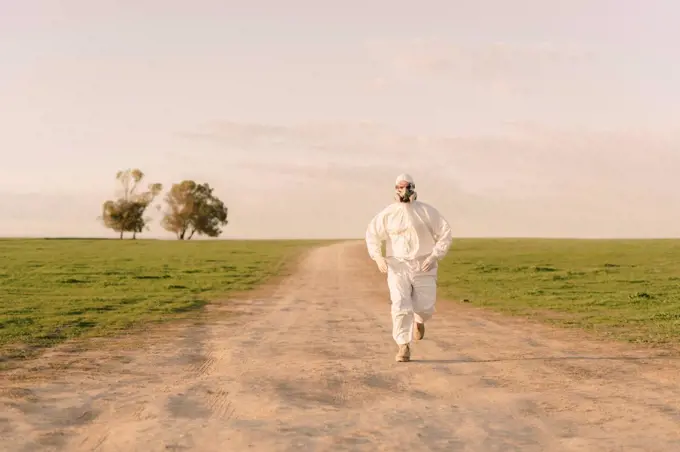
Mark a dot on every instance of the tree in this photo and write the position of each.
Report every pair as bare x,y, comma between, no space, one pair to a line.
126,213
193,208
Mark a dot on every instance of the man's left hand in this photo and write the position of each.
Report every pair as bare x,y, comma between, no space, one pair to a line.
429,263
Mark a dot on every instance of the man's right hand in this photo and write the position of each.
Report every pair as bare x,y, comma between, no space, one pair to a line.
382,264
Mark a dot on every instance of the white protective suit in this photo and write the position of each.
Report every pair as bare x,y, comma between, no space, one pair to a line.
414,232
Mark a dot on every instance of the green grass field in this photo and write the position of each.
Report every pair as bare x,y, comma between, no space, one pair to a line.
625,289
54,290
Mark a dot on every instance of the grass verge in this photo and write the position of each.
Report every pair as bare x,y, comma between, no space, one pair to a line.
54,290
625,289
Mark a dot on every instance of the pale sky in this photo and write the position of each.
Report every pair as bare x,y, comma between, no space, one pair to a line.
516,118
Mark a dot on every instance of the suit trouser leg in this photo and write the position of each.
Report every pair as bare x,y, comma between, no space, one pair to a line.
401,294
424,295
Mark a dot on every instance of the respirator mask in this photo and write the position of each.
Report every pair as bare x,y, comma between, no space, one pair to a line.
406,193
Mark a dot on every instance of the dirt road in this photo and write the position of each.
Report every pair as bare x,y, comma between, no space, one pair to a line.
311,367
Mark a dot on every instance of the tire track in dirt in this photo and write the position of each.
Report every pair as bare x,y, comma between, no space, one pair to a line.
311,367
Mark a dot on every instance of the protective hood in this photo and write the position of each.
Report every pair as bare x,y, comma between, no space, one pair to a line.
404,177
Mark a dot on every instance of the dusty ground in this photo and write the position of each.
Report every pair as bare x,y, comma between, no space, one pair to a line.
311,367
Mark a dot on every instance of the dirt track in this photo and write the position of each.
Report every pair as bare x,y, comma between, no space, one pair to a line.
311,367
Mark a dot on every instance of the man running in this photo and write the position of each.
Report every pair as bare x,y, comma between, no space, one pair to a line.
417,237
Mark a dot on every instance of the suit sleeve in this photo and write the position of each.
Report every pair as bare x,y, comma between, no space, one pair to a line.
375,235
443,235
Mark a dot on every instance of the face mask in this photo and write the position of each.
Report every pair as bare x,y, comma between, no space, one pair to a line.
406,194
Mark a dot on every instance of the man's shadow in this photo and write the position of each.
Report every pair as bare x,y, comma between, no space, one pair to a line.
543,358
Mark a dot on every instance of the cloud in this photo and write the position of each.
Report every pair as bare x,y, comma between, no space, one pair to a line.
309,141
507,69
525,161
433,56
378,83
